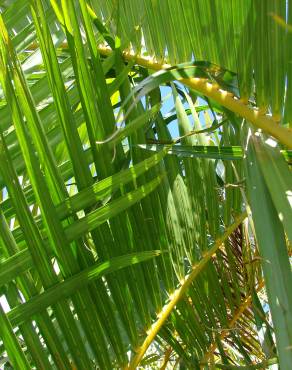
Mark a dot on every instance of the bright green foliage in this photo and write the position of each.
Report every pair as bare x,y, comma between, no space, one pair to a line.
120,187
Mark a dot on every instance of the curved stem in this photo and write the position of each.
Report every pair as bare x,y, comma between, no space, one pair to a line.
179,293
261,121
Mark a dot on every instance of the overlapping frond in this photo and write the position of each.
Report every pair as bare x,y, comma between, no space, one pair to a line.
130,219
250,38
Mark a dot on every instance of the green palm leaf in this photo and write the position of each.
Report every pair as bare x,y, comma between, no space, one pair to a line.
127,169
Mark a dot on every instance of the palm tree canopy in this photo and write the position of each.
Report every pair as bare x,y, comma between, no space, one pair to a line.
145,204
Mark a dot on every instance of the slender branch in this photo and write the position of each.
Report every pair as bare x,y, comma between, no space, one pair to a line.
242,308
179,293
166,358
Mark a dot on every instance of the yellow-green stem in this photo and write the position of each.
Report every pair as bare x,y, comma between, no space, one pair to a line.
179,293
260,120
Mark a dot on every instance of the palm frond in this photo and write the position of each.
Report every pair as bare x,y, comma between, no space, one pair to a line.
144,208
